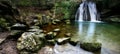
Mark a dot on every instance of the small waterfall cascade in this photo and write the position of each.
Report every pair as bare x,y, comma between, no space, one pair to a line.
87,12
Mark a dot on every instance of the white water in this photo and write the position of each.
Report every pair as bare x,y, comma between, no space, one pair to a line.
87,8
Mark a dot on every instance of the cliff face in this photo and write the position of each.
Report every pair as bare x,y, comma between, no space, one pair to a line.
109,10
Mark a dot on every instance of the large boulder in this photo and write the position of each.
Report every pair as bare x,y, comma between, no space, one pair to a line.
91,46
31,41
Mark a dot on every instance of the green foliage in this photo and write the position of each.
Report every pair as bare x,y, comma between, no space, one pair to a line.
67,8
3,23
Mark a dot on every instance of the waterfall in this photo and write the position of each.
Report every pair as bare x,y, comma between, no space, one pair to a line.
87,12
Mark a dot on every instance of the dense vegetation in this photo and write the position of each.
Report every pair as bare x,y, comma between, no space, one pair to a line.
60,9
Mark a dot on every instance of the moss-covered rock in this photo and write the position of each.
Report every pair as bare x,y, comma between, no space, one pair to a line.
91,46
31,41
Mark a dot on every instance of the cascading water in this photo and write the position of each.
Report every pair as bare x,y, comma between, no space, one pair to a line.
87,12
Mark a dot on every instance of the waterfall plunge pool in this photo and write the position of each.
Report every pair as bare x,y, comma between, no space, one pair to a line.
106,33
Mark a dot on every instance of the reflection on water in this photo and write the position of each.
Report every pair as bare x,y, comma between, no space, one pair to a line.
107,34
90,29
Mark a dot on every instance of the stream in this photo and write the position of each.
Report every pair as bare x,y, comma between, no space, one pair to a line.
106,33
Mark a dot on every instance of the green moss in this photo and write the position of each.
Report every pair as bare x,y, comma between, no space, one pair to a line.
3,23
67,9
91,46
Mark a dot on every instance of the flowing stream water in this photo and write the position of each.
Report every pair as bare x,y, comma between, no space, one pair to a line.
106,33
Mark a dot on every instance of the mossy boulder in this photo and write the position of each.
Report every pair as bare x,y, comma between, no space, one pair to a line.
91,46
31,41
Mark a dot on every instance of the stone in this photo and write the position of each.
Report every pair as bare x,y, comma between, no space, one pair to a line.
54,23
67,21
50,35
51,42
35,30
73,42
56,30
16,33
64,40
31,41
19,26
1,40
91,46
56,20
68,34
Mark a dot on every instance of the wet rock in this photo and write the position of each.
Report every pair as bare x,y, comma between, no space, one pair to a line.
64,40
19,26
67,21
45,19
68,34
56,30
1,40
73,42
35,30
55,21
31,41
91,46
51,42
50,35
